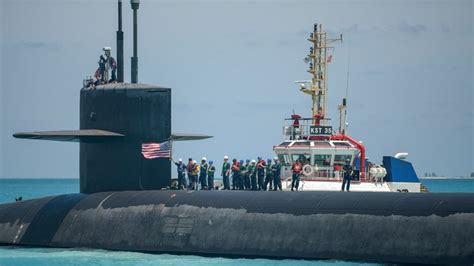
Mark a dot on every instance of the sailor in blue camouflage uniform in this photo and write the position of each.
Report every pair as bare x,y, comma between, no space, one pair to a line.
268,176
348,172
225,173
246,174
203,173
210,175
276,172
181,170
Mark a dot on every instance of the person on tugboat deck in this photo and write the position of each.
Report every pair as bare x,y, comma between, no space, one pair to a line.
348,171
297,169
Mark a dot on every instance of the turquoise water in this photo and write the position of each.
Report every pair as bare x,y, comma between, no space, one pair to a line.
449,185
50,257
34,188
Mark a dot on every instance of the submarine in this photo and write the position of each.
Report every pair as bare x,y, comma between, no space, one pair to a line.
123,203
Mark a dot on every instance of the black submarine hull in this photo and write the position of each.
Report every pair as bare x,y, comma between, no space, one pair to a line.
378,227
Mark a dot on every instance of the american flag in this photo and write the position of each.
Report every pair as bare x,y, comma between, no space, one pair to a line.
156,150
329,59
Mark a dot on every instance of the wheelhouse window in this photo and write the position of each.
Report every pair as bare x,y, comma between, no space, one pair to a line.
286,143
301,144
322,160
305,158
341,159
284,159
342,144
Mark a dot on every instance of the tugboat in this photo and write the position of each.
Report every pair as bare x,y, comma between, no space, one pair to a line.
323,152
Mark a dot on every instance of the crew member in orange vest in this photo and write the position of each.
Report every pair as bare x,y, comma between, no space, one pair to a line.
235,174
189,170
319,116
297,169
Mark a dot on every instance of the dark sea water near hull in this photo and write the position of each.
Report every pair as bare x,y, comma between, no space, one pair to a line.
36,188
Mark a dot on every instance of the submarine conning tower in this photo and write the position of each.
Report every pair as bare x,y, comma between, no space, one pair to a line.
116,118
140,113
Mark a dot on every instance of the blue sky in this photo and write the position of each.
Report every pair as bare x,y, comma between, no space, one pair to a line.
231,67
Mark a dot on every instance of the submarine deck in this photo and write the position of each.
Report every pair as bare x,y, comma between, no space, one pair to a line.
368,226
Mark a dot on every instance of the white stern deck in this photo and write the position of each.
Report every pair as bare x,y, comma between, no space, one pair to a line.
336,186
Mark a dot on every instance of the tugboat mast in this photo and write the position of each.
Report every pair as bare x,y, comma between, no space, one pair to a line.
318,59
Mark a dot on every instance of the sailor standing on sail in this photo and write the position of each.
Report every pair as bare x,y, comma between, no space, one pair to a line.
110,65
348,172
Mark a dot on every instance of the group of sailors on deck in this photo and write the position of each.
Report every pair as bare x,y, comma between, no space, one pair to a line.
257,175
245,175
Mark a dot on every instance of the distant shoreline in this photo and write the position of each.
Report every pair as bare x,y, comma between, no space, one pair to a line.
446,177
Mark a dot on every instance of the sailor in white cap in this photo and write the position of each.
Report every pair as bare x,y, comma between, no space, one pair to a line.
105,76
110,65
226,173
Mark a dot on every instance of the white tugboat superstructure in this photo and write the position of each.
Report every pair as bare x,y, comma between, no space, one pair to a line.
324,152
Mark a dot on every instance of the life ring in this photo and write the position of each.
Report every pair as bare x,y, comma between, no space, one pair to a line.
308,170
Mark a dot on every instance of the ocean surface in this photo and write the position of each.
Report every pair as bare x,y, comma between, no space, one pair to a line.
36,188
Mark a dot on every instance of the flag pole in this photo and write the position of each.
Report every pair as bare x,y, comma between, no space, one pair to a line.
171,148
